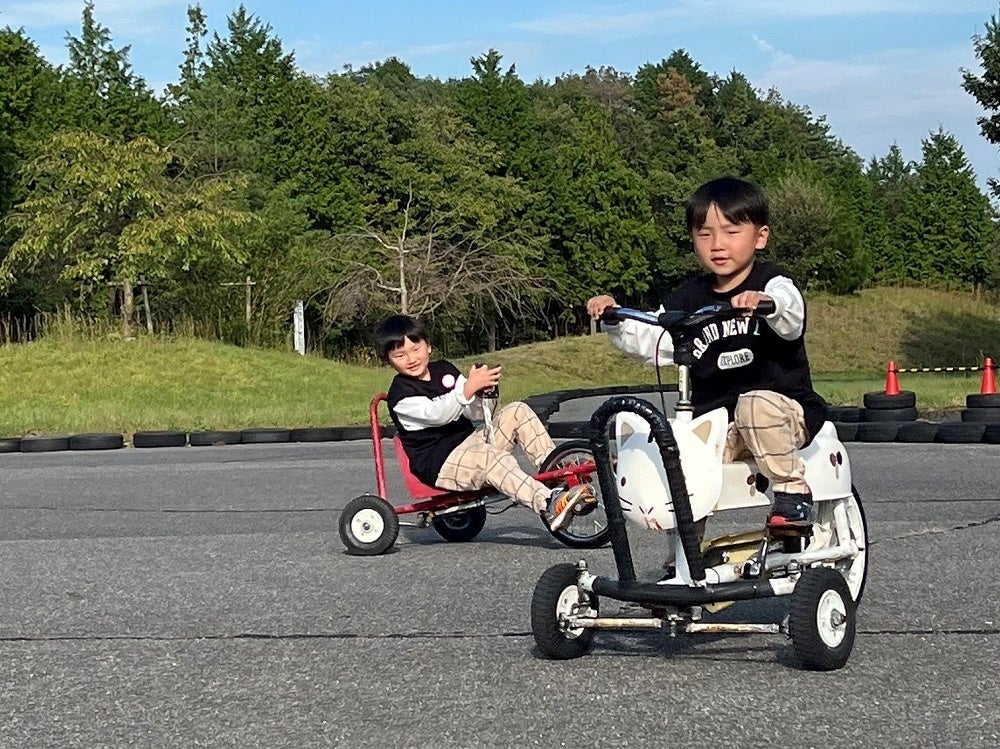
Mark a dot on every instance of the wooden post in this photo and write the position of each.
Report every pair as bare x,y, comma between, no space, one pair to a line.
145,303
249,284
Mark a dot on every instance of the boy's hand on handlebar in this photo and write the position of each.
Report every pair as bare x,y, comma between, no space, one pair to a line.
597,304
481,377
749,300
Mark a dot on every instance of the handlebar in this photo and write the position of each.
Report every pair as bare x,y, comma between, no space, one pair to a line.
670,319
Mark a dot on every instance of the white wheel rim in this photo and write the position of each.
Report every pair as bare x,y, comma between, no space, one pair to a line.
567,605
831,619
367,526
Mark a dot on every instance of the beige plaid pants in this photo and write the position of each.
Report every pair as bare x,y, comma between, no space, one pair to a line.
487,459
771,428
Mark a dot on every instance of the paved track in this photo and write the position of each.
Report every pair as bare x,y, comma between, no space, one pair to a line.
183,597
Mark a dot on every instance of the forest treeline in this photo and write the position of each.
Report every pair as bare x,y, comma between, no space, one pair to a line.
492,205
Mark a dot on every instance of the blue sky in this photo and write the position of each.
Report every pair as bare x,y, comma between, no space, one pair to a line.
880,71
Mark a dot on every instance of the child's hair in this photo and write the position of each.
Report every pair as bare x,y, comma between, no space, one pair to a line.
393,331
739,201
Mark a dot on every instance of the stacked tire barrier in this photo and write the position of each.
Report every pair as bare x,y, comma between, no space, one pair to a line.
982,409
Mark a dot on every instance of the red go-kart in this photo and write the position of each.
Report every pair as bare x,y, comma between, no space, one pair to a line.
369,524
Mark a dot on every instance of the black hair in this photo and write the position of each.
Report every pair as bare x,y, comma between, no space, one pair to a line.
393,331
739,201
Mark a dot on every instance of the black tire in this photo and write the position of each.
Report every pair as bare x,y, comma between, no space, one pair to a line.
846,430
556,595
368,526
356,433
854,571
44,443
890,414
583,531
877,432
983,400
167,438
10,444
208,439
991,434
314,434
96,441
917,431
264,436
843,414
822,620
982,414
959,433
877,400
460,526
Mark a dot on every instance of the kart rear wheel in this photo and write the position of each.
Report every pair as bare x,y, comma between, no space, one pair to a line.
822,619
556,597
368,526
460,526
854,570
587,529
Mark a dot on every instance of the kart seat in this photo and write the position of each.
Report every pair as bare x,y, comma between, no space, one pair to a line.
417,488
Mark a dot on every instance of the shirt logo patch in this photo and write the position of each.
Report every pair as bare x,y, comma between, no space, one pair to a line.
735,359
448,381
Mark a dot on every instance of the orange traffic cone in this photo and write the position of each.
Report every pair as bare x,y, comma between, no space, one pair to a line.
989,377
891,380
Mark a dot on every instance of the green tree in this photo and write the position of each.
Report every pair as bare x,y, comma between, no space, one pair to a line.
101,212
946,219
985,87
103,94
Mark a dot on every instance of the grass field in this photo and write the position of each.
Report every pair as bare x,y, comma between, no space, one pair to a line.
72,383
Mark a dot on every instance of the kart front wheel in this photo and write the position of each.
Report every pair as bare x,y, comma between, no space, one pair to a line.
822,619
460,526
368,526
555,599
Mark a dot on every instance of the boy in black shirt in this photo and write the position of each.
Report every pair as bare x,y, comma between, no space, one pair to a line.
758,371
432,405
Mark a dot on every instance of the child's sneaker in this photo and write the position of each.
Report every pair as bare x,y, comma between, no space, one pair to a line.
563,502
791,511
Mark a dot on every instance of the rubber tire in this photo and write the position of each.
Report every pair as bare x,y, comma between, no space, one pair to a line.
597,520
818,590
44,443
209,439
264,436
960,433
375,511
549,596
917,431
846,430
314,434
890,414
96,441
10,444
982,400
166,438
878,400
981,415
460,527
843,414
884,431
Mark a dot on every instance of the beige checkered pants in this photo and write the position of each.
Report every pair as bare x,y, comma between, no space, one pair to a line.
483,459
771,428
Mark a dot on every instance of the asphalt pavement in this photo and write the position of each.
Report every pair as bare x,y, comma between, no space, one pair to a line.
200,597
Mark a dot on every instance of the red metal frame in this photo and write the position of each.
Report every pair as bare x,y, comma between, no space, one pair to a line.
431,499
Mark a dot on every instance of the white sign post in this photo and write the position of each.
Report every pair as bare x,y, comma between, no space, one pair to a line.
300,327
